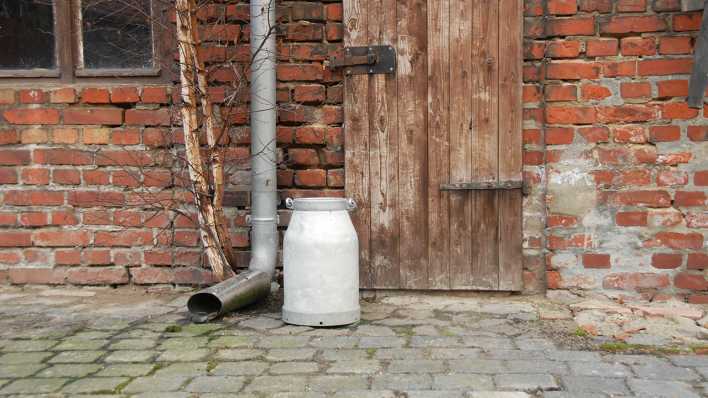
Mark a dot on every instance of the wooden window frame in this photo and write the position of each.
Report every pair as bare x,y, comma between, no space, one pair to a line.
68,38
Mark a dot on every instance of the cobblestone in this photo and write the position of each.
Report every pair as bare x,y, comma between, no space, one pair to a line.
442,347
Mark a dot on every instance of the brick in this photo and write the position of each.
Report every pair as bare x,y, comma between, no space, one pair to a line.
151,275
563,49
312,93
125,137
304,31
107,116
93,136
61,238
635,281
96,177
601,6
95,96
64,218
594,92
687,22
531,94
311,178
147,117
155,95
34,136
35,176
63,157
689,199
666,260
125,238
334,12
562,7
559,136
595,134
39,276
663,67
619,68
674,45
66,177
596,260
334,32
631,134
672,159
571,115
66,95
8,137
626,113
632,24
667,5
310,135
335,178
697,133
700,178
678,110
34,198
15,239
632,46
123,95
572,70
672,88
685,280
677,240
635,90
32,96
7,96
631,219
96,257
570,26
32,116
671,177
697,261
561,93
65,136
303,156
11,157
8,175
96,199
601,47
632,5
303,72
643,198
98,276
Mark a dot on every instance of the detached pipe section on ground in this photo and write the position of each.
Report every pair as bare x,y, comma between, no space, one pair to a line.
254,284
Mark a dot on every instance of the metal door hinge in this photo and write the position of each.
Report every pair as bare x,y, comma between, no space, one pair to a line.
365,60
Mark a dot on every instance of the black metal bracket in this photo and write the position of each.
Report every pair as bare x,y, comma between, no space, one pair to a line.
485,185
699,76
366,60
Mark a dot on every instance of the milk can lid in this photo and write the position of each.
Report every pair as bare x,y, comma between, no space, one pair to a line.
320,204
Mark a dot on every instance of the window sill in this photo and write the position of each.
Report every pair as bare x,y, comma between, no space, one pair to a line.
20,73
151,72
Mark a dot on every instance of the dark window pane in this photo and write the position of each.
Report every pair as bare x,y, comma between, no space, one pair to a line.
117,34
26,34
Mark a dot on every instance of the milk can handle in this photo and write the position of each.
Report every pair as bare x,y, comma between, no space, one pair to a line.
289,203
351,204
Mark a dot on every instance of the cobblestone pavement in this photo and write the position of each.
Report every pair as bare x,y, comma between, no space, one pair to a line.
126,342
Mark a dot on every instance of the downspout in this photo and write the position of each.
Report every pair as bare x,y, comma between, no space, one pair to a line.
254,284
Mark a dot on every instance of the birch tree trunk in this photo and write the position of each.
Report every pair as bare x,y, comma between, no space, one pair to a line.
213,231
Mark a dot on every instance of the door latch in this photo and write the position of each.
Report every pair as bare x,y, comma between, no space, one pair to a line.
365,60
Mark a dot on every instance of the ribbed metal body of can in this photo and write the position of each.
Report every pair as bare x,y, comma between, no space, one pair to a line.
321,263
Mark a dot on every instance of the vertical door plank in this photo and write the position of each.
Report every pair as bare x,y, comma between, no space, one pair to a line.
510,106
413,144
485,122
383,156
461,77
510,253
356,129
438,144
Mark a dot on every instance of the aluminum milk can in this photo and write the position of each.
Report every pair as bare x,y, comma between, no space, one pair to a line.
321,263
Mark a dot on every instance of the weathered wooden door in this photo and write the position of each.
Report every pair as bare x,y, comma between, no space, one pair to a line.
450,117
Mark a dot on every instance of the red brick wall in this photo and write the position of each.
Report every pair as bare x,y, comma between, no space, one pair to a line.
84,167
609,138
614,158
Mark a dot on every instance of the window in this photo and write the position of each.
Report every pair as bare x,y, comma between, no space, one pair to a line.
69,39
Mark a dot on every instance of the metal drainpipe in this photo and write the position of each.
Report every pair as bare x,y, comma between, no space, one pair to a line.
254,284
